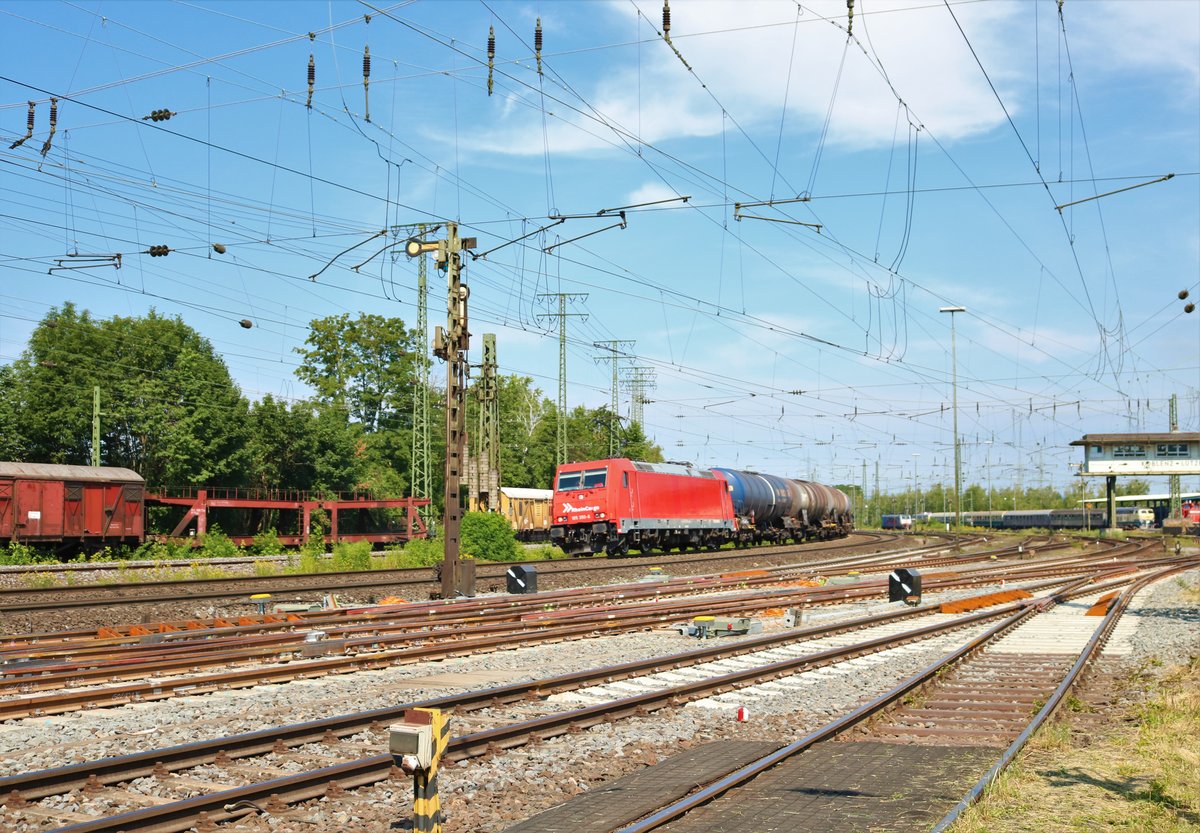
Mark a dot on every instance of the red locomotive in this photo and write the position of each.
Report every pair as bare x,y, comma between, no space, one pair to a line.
618,504
74,506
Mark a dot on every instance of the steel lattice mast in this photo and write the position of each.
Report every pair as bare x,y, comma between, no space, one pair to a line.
639,381
562,315
614,347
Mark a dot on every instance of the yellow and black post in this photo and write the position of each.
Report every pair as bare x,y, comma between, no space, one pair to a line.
417,744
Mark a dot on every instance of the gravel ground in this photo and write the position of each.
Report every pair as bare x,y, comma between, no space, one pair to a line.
489,794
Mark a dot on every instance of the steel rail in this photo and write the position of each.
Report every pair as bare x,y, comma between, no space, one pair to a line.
375,578
187,628
615,621
1098,640
73,652
219,806
746,773
432,642
36,784
291,789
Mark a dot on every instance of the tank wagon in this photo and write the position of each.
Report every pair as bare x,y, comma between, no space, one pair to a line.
619,504
84,507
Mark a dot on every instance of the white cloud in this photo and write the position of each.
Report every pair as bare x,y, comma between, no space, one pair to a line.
742,52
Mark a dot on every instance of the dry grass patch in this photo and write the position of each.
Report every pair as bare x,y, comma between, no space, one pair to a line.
1141,774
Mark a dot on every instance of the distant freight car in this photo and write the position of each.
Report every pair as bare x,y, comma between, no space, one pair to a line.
528,510
618,504
85,507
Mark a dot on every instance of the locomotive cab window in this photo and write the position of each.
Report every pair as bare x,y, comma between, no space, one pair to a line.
591,479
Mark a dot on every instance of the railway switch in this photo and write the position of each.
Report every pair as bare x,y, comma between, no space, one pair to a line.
705,627
904,585
521,579
417,744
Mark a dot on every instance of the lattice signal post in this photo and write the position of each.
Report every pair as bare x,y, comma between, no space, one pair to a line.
421,478
450,344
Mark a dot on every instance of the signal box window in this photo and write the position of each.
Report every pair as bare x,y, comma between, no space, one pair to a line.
1129,451
1172,450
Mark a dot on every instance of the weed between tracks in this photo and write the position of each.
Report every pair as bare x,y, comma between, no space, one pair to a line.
1140,773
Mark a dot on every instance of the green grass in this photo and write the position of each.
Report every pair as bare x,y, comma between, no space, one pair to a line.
1140,774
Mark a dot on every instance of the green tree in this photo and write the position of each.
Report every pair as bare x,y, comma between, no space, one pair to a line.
306,446
365,365
12,439
169,408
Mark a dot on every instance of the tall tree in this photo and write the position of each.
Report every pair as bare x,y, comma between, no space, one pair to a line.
169,408
365,365
12,438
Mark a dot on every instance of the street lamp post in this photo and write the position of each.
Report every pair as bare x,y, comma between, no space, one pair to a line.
957,456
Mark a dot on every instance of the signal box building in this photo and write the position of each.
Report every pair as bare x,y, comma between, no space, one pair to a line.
1138,455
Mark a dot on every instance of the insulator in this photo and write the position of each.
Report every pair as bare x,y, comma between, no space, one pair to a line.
28,129
312,78
850,19
667,17
367,82
246,323
491,56
219,248
537,44
158,251
1189,307
1183,293
53,125
159,115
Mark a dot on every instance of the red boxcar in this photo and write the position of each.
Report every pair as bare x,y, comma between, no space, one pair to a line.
84,506
614,504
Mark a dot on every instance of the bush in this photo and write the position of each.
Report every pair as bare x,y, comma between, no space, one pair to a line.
352,556
18,553
422,552
487,536
218,545
170,549
267,543
545,552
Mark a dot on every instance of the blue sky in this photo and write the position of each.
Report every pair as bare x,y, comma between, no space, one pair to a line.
931,148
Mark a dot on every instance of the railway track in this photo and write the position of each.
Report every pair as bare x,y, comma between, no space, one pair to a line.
408,634
15,600
954,725
490,720
495,720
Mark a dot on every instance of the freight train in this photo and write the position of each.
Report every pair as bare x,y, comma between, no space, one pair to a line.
616,505
1128,517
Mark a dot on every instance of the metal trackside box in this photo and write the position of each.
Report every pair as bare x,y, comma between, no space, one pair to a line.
412,736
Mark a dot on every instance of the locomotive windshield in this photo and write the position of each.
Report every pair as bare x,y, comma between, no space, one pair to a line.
592,479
